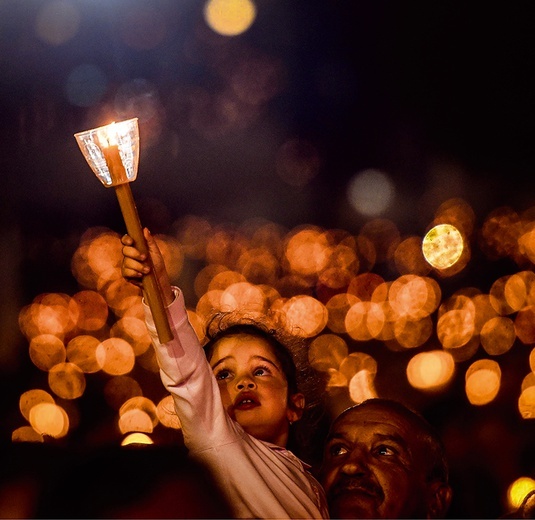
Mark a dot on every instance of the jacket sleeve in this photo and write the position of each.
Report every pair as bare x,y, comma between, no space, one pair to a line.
187,375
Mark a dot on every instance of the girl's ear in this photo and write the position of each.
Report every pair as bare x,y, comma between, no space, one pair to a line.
296,405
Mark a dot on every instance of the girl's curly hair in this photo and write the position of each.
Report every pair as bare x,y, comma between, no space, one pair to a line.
291,351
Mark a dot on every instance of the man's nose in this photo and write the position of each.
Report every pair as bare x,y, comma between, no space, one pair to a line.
356,463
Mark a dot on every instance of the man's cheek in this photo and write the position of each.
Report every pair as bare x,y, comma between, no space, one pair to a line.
329,478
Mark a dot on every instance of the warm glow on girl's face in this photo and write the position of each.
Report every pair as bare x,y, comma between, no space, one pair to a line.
253,387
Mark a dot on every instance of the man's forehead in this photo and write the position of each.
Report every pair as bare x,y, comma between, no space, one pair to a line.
373,417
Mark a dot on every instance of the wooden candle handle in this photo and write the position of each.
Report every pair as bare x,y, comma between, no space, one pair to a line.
151,287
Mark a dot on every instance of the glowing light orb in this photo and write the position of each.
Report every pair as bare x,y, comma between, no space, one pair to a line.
442,246
136,438
519,490
229,17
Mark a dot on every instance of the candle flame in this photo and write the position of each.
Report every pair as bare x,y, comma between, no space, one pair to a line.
108,135
112,151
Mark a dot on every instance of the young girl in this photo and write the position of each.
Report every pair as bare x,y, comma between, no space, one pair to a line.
235,404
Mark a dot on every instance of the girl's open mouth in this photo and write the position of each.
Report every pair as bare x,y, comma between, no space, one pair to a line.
246,401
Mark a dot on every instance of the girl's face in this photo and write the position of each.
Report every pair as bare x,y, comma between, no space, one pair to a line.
253,387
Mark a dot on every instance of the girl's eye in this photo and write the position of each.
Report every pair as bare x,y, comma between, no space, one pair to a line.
222,374
337,449
261,371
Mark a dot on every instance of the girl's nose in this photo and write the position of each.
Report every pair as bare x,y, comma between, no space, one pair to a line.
245,382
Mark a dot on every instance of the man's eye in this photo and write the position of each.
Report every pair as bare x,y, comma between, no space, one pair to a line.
385,450
222,374
337,449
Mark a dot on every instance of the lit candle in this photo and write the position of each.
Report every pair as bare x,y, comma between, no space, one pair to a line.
110,149
107,140
115,164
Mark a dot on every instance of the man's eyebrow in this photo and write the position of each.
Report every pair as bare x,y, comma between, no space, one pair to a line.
393,437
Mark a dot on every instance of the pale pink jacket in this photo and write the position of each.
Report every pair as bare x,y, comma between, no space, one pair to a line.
259,479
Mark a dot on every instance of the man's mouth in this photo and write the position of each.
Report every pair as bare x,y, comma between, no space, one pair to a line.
353,486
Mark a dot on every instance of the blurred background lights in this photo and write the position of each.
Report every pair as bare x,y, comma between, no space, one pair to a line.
140,410
430,371
378,240
82,351
136,438
526,403
167,416
519,290
307,251
327,351
26,434
229,17
361,386
409,257
57,22
525,325
365,320
88,310
370,192
442,246
244,296
337,308
135,421
498,335
263,268
482,381
528,381
46,351
518,490
30,398
315,280
305,315
49,419
67,380
115,356
357,362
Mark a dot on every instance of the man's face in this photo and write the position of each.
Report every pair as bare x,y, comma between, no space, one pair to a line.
374,466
